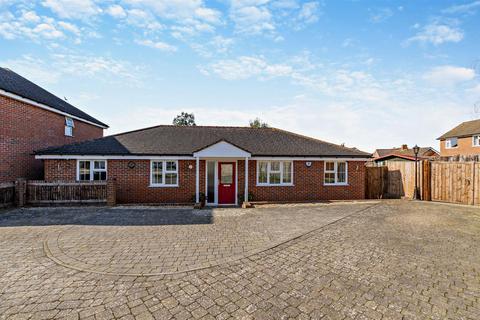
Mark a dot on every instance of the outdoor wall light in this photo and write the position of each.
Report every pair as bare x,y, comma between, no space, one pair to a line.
190,166
308,164
131,164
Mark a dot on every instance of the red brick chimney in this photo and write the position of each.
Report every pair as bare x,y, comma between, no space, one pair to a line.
404,147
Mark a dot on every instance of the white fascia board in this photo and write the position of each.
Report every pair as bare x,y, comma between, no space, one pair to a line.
222,149
112,157
310,159
43,106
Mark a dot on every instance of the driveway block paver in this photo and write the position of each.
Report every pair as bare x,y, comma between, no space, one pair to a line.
388,260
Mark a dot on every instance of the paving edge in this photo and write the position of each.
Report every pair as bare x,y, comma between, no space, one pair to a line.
248,254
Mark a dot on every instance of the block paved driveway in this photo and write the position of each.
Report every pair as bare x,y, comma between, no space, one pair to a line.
365,260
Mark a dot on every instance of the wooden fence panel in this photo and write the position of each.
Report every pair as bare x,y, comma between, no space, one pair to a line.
455,182
376,182
7,194
401,179
40,192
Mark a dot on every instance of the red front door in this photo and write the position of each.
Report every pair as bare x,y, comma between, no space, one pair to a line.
226,185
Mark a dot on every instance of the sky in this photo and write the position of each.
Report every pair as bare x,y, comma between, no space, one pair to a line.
369,74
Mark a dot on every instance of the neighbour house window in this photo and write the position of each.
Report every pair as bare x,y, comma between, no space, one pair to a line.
335,173
92,170
69,125
274,173
451,143
476,141
164,173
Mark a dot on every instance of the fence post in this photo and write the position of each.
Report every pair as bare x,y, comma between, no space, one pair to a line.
111,193
427,180
20,192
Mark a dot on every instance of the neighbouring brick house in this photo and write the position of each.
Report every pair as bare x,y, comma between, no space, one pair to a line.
33,118
404,153
463,140
178,164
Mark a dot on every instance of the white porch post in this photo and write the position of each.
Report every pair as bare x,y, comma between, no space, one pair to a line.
197,180
245,198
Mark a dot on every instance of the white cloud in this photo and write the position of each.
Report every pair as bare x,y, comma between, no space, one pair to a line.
69,27
116,11
73,9
468,8
380,15
246,67
449,75
251,18
59,66
309,12
162,46
218,45
437,33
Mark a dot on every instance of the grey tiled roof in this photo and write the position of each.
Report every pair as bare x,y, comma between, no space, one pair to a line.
184,141
464,129
18,85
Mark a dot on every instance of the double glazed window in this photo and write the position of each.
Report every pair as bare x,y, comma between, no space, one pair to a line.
92,170
69,125
275,173
164,173
451,143
476,141
335,173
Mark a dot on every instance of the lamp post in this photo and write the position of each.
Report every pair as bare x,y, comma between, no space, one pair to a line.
416,193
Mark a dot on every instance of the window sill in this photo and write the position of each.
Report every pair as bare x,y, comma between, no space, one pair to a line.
163,186
335,184
275,185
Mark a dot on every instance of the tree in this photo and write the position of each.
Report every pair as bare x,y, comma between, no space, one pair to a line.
184,119
257,123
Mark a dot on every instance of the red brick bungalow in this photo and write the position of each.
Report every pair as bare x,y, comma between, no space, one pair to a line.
178,164
32,118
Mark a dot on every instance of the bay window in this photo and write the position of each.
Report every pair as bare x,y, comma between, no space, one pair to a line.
164,173
92,170
274,173
335,173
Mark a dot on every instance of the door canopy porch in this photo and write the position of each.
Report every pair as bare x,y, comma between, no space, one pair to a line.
220,150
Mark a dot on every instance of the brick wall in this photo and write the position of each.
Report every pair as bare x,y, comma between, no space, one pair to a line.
25,128
307,183
133,183
465,148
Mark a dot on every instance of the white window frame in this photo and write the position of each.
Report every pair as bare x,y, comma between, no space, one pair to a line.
92,169
335,173
164,172
69,125
269,162
473,140
448,144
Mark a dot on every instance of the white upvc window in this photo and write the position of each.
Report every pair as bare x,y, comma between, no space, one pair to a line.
451,143
476,141
164,173
273,173
69,125
91,170
335,173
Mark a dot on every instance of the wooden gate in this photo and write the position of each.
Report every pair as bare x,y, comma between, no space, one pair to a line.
455,182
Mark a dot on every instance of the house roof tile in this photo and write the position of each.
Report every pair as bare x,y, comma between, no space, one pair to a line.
14,83
184,141
464,129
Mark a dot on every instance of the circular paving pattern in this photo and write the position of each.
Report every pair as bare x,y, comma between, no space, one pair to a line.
155,242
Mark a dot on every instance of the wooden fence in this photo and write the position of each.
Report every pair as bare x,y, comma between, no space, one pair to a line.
7,194
455,182
394,180
41,192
